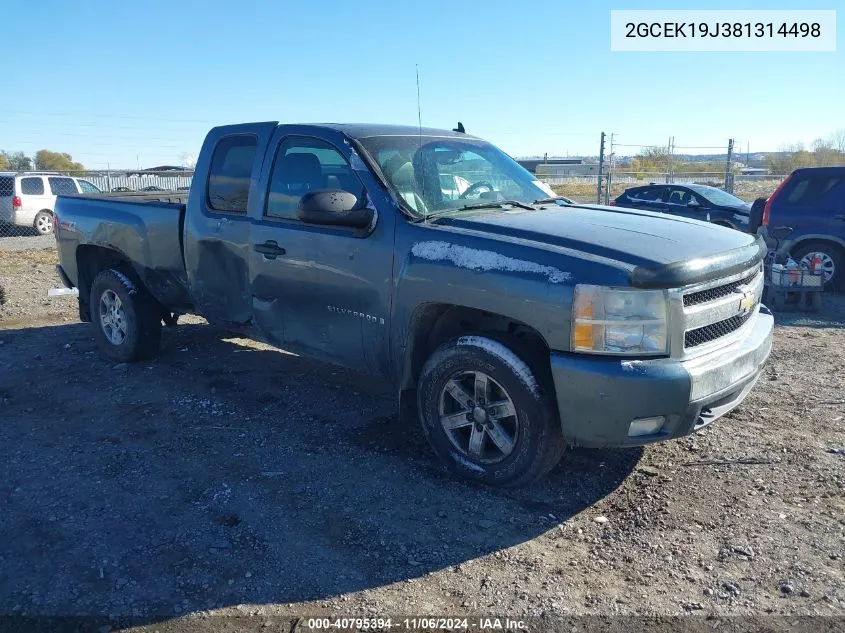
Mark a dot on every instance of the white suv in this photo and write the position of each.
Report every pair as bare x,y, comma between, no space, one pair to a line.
28,200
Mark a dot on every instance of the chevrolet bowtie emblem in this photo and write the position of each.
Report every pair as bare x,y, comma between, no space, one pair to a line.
746,304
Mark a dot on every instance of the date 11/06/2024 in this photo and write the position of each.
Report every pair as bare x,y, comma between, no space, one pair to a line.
721,29
413,624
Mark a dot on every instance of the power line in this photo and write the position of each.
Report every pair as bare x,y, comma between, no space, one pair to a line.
101,125
98,136
98,144
699,146
108,116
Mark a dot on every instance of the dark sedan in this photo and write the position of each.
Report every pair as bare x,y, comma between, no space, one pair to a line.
699,202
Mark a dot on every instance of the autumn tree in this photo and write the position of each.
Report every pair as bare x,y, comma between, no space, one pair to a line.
56,161
650,160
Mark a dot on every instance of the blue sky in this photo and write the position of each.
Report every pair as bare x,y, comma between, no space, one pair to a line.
125,83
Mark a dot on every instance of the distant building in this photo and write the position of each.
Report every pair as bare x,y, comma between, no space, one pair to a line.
531,164
158,171
567,169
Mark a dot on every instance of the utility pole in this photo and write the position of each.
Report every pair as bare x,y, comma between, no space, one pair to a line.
729,181
610,171
669,159
601,166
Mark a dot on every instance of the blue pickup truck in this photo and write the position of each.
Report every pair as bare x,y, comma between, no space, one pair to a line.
512,322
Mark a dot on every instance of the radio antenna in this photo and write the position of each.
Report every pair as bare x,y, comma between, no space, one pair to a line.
419,111
419,126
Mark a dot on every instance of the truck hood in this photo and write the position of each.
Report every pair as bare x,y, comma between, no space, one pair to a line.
661,250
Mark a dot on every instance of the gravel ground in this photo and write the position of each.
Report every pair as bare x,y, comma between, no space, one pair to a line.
228,478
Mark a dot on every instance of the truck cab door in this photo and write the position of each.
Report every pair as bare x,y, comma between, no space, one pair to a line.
322,291
217,232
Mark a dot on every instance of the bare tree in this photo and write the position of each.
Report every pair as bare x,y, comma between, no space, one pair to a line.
837,141
824,155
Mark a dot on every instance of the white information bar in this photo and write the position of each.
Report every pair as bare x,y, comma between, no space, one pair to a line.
722,30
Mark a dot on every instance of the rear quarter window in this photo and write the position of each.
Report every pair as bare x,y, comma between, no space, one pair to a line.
229,176
811,189
649,194
7,186
32,186
62,186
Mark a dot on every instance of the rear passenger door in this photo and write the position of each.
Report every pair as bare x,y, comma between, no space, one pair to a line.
814,203
217,225
320,290
649,198
35,197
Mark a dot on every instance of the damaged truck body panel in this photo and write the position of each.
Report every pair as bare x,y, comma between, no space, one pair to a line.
512,322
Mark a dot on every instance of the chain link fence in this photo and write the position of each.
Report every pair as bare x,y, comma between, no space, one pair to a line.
585,188
27,199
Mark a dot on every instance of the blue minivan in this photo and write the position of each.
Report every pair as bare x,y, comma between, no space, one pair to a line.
805,218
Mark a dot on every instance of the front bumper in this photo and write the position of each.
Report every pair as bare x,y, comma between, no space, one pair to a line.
599,397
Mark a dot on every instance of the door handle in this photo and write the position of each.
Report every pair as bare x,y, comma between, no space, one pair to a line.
840,217
270,249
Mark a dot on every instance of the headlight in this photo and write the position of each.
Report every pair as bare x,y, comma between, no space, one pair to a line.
619,321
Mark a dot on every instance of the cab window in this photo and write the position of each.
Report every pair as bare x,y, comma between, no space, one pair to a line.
307,164
230,173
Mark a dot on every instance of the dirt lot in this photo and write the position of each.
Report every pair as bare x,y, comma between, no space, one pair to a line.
229,478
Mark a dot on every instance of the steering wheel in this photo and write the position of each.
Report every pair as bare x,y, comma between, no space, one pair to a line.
474,186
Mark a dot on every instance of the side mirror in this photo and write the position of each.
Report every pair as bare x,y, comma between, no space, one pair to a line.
334,207
694,204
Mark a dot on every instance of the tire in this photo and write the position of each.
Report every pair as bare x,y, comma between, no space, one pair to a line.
126,319
831,253
501,449
43,223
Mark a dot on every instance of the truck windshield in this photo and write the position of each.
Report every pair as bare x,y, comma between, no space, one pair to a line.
440,174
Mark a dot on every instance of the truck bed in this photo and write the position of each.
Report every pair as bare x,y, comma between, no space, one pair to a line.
144,228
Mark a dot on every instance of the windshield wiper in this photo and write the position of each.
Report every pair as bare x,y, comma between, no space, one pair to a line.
554,199
491,204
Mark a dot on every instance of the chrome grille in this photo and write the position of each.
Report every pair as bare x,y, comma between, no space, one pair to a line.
701,335
711,294
705,316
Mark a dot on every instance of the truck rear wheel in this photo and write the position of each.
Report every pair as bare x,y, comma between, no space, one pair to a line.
126,320
485,414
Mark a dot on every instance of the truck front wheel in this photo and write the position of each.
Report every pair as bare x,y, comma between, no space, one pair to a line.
486,415
127,323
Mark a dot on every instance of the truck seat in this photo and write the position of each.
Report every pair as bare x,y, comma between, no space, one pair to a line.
300,173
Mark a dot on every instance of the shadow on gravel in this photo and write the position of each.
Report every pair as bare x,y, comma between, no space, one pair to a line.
10,230
222,474
830,315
